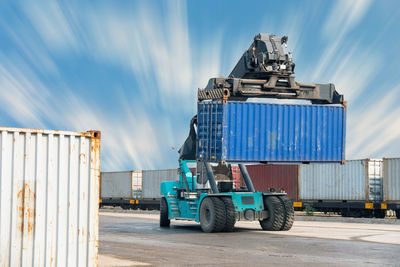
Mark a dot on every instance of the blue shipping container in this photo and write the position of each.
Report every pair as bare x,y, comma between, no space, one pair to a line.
276,133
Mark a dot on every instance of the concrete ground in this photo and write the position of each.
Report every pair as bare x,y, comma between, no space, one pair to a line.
134,239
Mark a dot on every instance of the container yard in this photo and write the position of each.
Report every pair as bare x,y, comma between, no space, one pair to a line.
220,140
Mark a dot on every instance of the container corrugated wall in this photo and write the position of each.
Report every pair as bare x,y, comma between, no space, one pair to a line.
152,180
254,132
334,181
116,184
49,197
275,176
391,179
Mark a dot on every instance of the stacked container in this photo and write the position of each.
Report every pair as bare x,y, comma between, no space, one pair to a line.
275,177
263,132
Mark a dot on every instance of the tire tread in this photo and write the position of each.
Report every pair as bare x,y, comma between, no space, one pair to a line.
276,220
288,217
220,214
164,221
230,214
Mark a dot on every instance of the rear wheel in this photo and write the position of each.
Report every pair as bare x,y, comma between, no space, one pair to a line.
230,214
164,221
398,214
212,215
275,220
288,217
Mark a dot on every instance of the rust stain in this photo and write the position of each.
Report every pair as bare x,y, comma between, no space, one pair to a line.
25,211
19,195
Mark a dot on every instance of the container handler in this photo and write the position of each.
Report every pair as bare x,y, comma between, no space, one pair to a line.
264,71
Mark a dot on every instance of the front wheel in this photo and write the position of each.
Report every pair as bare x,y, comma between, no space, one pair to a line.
164,220
398,214
212,215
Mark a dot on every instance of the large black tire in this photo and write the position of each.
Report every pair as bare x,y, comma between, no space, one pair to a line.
230,214
398,214
164,221
275,220
212,215
288,218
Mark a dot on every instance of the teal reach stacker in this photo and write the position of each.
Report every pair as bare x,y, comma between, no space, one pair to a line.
234,125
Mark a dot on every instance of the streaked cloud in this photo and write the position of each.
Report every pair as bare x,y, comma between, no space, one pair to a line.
156,58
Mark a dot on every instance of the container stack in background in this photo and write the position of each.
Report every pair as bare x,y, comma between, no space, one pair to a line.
134,189
358,188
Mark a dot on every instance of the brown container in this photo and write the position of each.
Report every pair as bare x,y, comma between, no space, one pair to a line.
283,177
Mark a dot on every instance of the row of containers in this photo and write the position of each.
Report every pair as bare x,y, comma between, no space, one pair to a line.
359,188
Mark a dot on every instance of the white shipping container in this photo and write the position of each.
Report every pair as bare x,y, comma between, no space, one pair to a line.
49,197
391,179
334,181
152,180
116,184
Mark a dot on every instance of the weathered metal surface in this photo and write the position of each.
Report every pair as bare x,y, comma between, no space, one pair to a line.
49,197
116,184
152,180
391,179
261,132
284,177
334,181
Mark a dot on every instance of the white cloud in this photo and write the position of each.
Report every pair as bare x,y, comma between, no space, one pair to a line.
158,52
168,67
374,125
344,16
51,24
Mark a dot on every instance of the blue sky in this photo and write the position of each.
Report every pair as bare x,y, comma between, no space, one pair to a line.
132,68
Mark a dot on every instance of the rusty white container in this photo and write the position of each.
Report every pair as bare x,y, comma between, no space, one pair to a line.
391,179
49,183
